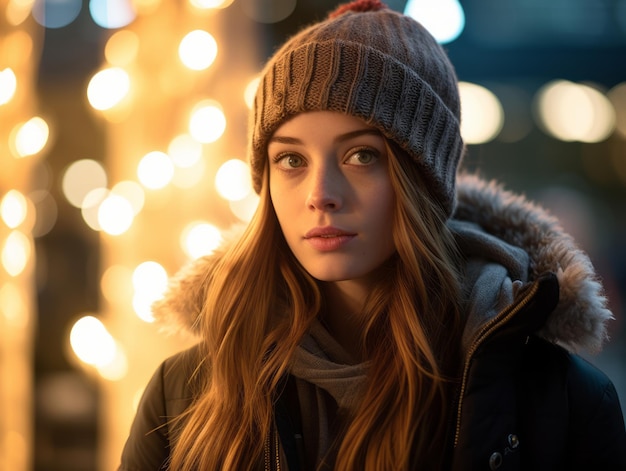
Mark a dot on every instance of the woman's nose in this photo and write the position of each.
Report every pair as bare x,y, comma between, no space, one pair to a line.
325,190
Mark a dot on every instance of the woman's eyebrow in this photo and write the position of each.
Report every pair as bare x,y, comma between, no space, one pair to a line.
285,140
341,138
359,132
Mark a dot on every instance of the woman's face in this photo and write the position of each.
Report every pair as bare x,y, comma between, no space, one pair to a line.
330,187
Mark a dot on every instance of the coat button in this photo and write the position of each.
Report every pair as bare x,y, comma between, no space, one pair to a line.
495,460
513,441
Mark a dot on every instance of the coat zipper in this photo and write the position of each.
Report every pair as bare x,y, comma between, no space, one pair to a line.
502,318
272,446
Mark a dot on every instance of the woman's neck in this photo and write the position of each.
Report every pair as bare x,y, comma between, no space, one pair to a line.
343,314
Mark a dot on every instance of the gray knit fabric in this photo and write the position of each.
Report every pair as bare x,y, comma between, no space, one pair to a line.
380,66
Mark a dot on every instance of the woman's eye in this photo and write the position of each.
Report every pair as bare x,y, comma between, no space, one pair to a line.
289,161
363,157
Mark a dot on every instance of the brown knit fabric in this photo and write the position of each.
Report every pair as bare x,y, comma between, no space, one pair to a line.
377,65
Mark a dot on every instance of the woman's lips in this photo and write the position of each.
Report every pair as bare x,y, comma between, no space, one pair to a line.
327,239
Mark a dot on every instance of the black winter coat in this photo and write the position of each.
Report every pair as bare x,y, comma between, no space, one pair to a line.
527,405
525,402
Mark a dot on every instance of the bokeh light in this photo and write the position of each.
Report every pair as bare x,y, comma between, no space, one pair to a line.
188,177
198,50
46,212
207,122
208,4
155,170
81,177
13,208
232,180
90,206
18,10
245,208
150,282
56,13
185,151
574,112
30,138
250,92
12,305
116,284
115,214
16,252
117,368
268,11
617,95
481,114
112,13
444,19
8,85
121,48
108,88
91,341
200,238
132,192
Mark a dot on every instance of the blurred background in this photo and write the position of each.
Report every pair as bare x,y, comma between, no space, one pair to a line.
122,157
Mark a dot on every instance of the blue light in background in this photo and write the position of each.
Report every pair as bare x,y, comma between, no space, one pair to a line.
444,19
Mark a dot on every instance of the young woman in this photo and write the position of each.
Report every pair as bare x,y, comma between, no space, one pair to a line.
379,312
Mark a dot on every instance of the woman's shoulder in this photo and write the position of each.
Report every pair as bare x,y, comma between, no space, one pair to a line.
549,360
180,375
563,380
566,396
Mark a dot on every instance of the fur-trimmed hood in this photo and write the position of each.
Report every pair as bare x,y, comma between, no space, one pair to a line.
578,322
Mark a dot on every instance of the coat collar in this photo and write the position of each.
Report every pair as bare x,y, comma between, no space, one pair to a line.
579,320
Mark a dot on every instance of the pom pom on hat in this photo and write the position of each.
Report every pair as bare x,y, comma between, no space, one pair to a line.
358,5
378,65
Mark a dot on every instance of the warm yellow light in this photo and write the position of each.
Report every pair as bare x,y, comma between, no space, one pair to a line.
18,10
115,215
116,284
188,177
91,342
13,208
117,367
197,50
45,212
91,205
207,4
150,282
149,275
13,305
16,252
574,112
81,177
207,122
108,88
482,115
617,95
8,85
244,208
17,48
200,238
30,137
250,91
232,180
184,150
131,192
155,170
122,47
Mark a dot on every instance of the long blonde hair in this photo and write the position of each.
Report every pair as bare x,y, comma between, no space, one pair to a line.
260,303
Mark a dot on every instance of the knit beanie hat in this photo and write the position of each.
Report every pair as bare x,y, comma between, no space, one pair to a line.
376,64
